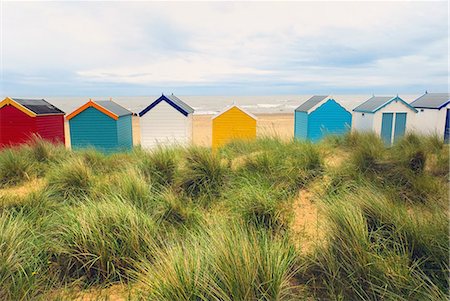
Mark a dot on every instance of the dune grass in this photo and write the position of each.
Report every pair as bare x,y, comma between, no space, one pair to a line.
196,224
99,241
223,263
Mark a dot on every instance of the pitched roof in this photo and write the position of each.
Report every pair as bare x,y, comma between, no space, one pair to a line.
107,107
172,100
114,107
432,101
376,103
234,106
310,103
38,106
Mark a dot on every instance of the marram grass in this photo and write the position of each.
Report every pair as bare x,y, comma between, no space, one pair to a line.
195,224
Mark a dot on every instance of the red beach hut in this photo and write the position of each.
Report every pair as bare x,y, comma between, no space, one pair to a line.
20,119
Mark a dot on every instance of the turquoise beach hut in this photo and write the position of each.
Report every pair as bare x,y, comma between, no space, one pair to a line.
104,125
320,116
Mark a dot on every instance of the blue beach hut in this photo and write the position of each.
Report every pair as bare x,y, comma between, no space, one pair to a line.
104,125
320,116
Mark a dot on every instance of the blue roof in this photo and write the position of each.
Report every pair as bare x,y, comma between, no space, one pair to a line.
172,100
310,103
432,101
376,103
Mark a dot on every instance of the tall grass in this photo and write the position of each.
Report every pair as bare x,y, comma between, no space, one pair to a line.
204,174
160,166
72,179
102,241
370,253
290,166
15,167
23,260
176,210
223,263
132,187
261,205
197,224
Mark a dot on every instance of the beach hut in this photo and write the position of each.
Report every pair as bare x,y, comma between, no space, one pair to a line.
433,114
167,120
104,125
320,116
232,123
387,116
20,119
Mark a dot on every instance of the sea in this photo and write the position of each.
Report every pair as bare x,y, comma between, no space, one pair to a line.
273,104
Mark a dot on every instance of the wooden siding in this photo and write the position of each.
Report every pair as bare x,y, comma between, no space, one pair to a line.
328,119
124,133
164,125
16,127
301,125
92,128
232,124
51,128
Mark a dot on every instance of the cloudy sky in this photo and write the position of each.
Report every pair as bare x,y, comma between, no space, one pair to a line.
251,48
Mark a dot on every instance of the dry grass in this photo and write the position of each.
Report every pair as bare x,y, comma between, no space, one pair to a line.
23,189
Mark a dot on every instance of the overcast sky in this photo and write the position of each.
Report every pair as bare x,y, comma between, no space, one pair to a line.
145,48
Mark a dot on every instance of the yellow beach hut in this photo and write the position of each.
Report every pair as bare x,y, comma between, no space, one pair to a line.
232,123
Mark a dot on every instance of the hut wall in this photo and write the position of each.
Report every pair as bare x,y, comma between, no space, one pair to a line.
125,132
329,118
92,128
15,126
362,122
164,125
232,124
51,128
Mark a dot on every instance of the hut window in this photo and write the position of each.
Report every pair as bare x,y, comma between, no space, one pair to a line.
363,114
421,110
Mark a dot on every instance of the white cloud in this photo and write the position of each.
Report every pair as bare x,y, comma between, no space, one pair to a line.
147,43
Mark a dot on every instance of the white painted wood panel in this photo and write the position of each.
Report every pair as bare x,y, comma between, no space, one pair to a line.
362,122
164,125
430,121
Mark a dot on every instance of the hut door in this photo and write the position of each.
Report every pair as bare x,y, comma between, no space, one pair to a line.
386,128
400,126
447,127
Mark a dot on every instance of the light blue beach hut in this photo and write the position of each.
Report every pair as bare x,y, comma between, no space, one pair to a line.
319,116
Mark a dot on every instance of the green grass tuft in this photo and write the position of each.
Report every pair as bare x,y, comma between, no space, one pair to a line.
101,241
204,174
15,167
72,179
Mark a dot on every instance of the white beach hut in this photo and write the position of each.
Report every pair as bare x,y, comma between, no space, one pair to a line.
433,114
387,116
166,121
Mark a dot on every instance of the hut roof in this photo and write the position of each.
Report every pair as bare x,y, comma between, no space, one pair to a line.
108,107
226,109
114,107
376,103
32,107
310,103
432,101
172,100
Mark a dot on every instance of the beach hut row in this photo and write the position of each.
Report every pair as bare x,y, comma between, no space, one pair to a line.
108,126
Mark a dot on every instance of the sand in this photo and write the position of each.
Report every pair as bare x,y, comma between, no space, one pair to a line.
281,125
